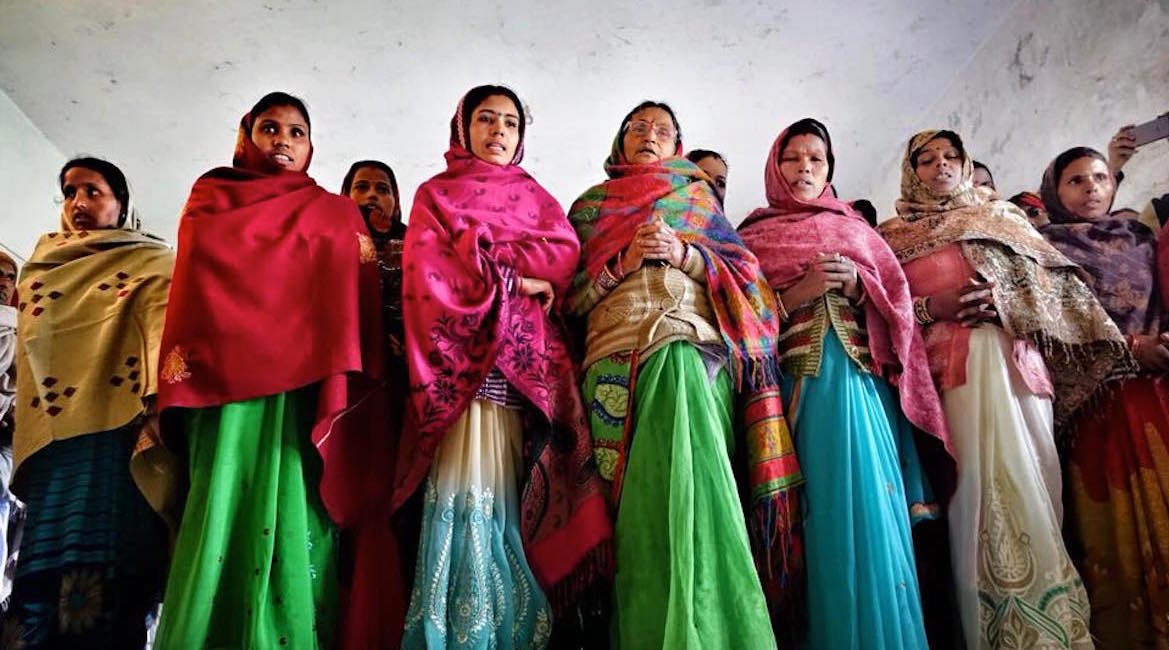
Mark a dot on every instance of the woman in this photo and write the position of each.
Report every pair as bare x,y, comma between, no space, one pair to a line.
92,298
1117,468
715,166
1006,316
265,374
848,324
681,324
514,523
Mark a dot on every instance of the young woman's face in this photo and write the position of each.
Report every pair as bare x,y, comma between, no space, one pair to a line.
939,165
1085,188
88,202
372,190
982,178
717,171
803,163
282,134
649,137
494,131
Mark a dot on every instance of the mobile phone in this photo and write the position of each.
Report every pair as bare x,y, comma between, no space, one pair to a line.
1151,131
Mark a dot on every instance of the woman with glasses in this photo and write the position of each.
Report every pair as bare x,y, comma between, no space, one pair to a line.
680,325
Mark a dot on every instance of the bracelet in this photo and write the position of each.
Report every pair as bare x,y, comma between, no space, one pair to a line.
687,255
783,313
620,265
921,311
606,281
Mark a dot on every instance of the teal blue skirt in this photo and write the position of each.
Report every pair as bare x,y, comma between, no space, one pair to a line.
857,452
93,556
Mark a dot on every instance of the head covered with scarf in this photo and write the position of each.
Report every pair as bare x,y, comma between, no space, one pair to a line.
281,324
476,230
1039,293
1119,253
89,322
676,192
791,232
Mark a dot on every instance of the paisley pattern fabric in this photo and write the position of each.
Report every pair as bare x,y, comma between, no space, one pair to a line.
1015,583
473,587
472,227
1039,294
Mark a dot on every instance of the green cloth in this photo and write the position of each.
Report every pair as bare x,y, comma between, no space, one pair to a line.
685,576
254,565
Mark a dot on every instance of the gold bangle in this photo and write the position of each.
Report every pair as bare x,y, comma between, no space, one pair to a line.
921,311
783,314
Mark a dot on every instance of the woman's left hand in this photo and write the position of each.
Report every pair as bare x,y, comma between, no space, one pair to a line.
841,269
660,242
539,289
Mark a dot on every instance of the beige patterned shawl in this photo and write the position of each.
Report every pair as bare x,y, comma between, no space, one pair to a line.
1040,295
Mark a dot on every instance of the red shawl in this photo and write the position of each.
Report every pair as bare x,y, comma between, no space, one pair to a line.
275,288
789,234
474,230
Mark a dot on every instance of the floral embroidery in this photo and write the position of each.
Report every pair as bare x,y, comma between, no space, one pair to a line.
80,601
174,366
368,250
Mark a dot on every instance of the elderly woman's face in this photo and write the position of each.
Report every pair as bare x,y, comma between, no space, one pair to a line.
1085,188
939,165
803,163
494,131
88,202
649,137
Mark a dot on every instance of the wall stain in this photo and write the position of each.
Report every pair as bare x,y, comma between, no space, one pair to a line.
1016,65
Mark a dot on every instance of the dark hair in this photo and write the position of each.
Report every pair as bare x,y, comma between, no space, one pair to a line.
479,94
347,183
809,126
950,136
1071,155
983,167
1123,211
649,103
112,175
279,98
696,155
867,210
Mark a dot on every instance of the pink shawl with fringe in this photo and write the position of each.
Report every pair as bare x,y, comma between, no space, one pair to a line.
787,236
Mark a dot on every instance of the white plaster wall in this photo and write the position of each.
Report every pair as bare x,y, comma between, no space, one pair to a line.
28,170
1056,75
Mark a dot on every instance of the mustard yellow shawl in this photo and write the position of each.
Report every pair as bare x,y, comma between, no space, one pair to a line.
88,330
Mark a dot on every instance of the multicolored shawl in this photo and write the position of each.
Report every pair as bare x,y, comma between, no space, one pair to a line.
1120,254
276,288
89,327
676,191
475,230
1039,293
791,232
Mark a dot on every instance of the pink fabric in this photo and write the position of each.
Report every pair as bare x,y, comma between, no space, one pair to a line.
787,236
948,342
475,230
471,226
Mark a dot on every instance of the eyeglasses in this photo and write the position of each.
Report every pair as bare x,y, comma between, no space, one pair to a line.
642,129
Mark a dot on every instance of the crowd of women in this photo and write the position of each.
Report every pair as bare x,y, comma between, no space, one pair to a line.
500,425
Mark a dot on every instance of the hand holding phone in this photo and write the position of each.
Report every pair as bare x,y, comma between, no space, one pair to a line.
1151,131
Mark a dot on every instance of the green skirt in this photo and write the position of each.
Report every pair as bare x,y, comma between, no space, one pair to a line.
254,565
685,575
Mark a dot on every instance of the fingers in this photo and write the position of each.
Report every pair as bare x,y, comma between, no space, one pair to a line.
1160,358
